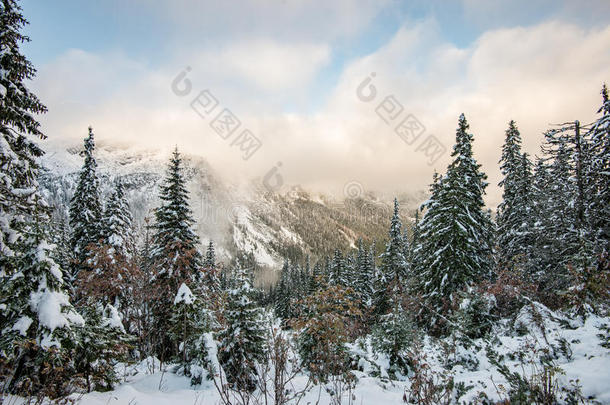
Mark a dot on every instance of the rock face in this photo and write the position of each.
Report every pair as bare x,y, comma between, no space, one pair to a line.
250,220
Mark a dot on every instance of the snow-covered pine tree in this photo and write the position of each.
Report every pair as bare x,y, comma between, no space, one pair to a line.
599,205
364,276
393,335
210,256
415,239
316,278
189,321
406,247
102,344
174,255
559,221
174,251
116,224
85,212
514,212
283,295
338,273
37,321
393,267
242,340
455,247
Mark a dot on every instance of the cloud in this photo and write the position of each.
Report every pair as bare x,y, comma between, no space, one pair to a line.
267,65
546,73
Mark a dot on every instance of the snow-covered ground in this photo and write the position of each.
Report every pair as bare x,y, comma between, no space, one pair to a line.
582,359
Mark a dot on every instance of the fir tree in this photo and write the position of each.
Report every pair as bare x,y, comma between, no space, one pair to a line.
85,211
116,223
393,266
514,212
210,256
174,256
37,321
393,335
599,204
337,272
282,303
102,344
174,252
455,249
189,321
242,340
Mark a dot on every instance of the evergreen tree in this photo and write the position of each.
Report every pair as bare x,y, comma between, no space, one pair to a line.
599,204
174,257
116,223
514,212
174,252
189,321
315,279
282,303
393,335
37,321
393,266
102,344
455,249
242,340
338,272
210,256
85,211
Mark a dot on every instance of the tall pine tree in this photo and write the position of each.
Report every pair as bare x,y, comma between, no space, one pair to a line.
85,211
175,258
455,242
514,212
37,322
242,340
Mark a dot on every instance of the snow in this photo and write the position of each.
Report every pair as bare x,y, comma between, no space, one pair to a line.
49,307
22,325
589,362
184,295
113,319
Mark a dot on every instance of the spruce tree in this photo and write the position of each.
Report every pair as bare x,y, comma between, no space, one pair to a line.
102,344
393,266
85,211
337,274
37,321
190,319
174,256
242,340
599,204
174,251
210,256
283,295
116,224
455,246
514,212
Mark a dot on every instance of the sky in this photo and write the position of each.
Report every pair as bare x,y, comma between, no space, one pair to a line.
329,95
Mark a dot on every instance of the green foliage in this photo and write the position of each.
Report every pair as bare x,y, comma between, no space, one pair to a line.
325,326
454,248
189,321
474,317
242,339
393,335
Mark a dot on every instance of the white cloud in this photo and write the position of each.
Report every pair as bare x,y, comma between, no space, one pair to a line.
266,64
537,75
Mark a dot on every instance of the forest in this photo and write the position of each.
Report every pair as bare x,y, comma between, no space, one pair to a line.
458,305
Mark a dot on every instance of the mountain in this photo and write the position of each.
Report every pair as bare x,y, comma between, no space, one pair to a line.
241,220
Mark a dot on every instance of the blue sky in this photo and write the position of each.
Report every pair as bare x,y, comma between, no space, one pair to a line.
289,68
